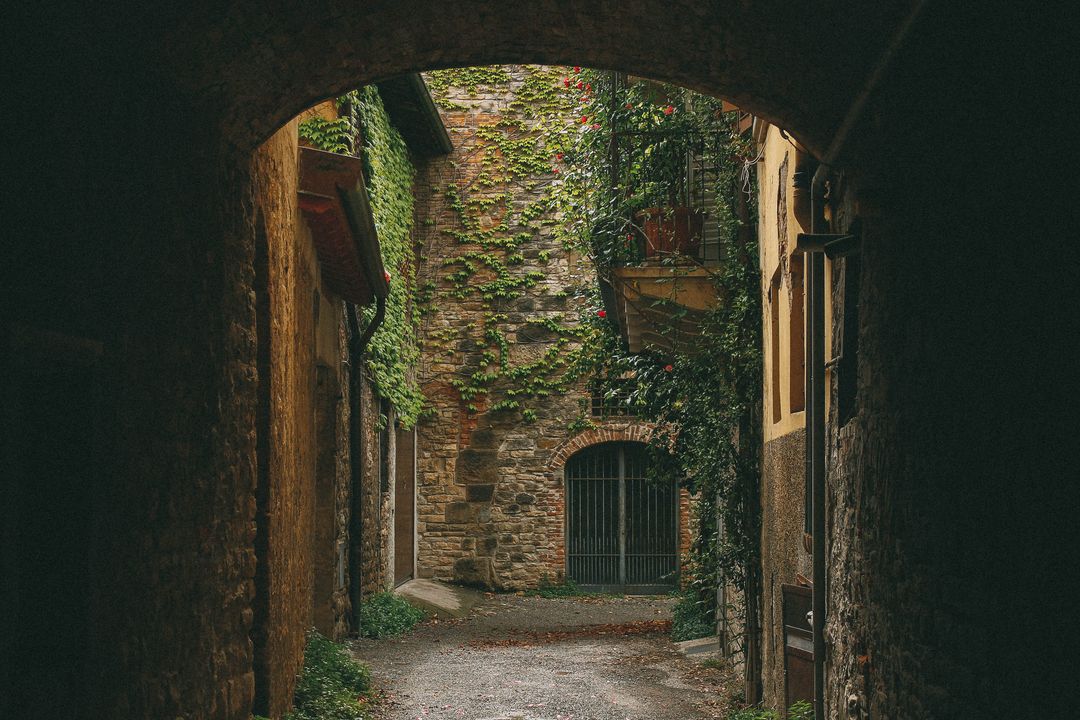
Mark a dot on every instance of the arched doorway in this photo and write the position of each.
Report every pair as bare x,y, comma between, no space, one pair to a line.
622,530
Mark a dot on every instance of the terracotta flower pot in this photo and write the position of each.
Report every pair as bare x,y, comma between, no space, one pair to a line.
671,230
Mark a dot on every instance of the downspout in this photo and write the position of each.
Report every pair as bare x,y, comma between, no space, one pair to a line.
816,247
357,346
815,429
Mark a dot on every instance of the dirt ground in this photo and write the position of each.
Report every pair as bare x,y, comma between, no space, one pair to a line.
523,658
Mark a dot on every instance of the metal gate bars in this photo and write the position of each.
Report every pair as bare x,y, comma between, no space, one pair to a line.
622,531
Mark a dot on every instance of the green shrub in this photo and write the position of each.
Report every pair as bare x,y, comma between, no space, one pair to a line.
385,614
691,618
332,685
801,710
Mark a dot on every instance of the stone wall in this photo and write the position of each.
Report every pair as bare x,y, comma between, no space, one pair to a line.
489,510
377,501
285,520
783,555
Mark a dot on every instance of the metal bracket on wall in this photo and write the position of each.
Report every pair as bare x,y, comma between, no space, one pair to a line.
834,246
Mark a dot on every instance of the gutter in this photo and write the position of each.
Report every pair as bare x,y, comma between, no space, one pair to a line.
357,207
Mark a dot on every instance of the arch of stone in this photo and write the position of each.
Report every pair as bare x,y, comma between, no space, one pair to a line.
134,231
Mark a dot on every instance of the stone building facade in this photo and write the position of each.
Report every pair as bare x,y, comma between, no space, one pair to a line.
491,495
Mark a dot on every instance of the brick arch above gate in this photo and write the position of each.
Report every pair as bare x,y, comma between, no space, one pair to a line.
634,432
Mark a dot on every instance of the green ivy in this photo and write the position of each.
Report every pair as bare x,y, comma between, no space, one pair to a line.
512,199
705,405
364,129
394,349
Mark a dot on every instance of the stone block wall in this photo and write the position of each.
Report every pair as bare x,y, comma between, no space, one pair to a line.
783,556
489,510
377,502
285,520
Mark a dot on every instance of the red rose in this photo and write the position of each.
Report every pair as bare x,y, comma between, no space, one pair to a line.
601,313
588,87
669,368
577,68
386,274
629,236
558,156
668,110
596,126
555,170
629,106
584,119
579,85
566,81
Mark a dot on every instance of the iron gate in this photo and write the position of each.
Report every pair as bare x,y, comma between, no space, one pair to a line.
622,531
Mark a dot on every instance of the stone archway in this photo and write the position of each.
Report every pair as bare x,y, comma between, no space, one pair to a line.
622,432
136,223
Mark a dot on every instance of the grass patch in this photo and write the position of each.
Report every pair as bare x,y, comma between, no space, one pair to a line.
691,618
800,710
385,614
332,686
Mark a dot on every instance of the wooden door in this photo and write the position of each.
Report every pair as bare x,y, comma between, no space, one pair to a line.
405,506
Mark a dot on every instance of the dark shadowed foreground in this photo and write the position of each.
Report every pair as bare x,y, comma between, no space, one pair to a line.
539,659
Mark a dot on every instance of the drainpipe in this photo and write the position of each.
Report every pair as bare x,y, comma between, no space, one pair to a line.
357,346
815,246
815,427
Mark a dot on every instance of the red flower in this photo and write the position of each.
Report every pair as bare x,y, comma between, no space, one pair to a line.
584,119
588,87
601,314
558,156
668,110
629,106
577,68
579,85
386,274
555,170
629,236
596,126
566,81
669,368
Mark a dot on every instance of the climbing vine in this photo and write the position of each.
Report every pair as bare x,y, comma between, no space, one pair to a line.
363,128
505,198
704,397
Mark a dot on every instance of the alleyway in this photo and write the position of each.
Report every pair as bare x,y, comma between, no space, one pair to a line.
540,659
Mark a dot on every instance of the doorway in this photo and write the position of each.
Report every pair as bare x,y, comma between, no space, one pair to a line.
405,506
622,531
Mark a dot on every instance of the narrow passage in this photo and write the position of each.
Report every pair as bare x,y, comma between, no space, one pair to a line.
546,659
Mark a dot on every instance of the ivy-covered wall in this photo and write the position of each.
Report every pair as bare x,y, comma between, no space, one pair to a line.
357,123
503,301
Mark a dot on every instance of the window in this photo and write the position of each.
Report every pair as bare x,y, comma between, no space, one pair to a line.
611,397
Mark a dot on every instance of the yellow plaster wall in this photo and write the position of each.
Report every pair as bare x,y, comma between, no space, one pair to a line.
775,255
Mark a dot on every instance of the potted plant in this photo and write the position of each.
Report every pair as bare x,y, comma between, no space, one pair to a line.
634,151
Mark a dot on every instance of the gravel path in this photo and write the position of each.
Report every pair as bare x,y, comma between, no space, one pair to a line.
536,659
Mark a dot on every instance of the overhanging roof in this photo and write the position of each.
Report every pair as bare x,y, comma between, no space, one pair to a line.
335,204
413,112
661,307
